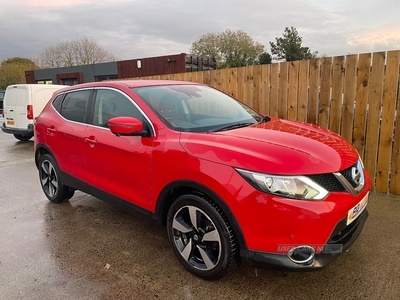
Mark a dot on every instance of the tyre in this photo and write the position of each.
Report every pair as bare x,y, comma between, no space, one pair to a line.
201,238
23,138
50,180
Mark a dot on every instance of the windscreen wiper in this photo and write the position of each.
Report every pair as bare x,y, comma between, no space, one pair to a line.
231,126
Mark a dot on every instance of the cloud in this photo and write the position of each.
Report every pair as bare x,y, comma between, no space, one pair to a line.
141,28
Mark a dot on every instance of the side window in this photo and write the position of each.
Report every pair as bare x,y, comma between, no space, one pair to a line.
57,102
75,105
110,104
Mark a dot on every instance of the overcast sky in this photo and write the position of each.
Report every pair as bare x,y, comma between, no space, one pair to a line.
144,28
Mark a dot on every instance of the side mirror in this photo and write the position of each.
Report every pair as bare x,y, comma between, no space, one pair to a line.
126,126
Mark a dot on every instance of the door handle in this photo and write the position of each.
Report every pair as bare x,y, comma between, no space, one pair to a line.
91,140
51,130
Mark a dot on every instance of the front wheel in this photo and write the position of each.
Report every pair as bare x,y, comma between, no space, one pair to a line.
50,180
201,237
23,138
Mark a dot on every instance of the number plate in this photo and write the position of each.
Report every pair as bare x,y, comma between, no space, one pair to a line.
10,122
357,210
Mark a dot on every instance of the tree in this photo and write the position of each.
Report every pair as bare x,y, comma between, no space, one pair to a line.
229,48
83,51
289,47
12,70
265,58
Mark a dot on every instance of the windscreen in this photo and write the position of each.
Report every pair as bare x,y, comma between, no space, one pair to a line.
196,108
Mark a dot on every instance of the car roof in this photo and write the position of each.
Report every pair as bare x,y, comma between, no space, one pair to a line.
128,83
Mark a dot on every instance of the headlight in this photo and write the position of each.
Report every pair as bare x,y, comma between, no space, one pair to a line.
296,187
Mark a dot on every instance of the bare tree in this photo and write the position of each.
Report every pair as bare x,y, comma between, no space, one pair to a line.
82,51
51,57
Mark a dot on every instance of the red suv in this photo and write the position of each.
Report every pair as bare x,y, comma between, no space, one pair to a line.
230,184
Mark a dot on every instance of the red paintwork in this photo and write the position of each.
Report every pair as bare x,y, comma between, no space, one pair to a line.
136,169
276,147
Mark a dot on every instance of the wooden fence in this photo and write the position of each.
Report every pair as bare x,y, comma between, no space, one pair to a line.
356,96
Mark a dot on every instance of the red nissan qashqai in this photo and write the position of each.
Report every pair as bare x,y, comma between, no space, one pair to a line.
230,184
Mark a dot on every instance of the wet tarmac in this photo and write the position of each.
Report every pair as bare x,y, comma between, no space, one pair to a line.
87,249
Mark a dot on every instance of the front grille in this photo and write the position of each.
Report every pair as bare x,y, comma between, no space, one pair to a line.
330,183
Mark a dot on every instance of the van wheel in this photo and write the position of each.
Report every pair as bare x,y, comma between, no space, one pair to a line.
23,138
201,238
51,182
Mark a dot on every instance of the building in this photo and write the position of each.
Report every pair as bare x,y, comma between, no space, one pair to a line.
169,64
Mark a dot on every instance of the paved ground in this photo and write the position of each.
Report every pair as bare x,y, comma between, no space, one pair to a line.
87,249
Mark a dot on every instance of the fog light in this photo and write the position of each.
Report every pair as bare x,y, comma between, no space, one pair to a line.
301,254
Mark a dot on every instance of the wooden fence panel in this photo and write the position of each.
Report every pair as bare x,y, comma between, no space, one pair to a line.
248,86
303,91
233,83
241,86
283,89
265,88
218,79
185,76
257,81
207,77
314,91
363,76
374,109
349,97
325,92
390,87
274,93
337,93
226,77
394,187
293,90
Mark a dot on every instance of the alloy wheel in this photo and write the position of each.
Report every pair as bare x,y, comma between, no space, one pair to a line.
196,237
48,178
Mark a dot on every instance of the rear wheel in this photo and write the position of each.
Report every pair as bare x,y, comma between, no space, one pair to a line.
201,238
50,180
23,138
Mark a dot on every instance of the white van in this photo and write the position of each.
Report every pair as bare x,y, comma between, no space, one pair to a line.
22,103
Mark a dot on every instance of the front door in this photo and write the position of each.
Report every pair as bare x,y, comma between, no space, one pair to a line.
118,165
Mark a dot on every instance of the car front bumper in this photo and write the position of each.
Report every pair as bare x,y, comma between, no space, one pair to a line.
341,239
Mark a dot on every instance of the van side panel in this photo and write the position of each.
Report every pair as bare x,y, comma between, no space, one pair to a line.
40,99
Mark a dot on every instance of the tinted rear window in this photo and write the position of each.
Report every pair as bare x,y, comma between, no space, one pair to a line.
57,102
75,105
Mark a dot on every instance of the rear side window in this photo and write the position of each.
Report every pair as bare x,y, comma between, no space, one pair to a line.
75,106
57,102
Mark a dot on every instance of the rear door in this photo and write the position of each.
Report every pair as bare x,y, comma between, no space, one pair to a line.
15,106
65,132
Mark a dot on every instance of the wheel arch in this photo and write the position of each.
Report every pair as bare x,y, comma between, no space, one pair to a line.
178,188
40,150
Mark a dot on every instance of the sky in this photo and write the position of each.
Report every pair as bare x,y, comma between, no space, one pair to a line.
131,29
